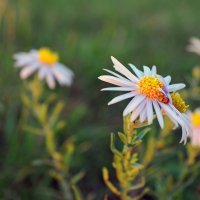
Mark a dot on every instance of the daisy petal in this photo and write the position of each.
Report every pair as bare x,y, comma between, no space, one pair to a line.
149,111
137,111
50,80
122,97
147,71
154,71
143,115
123,70
137,71
133,104
168,79
115,81
27,71
158,114
175,87
115,74
118,89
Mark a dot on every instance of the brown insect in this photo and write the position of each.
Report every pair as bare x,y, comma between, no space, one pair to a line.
163,98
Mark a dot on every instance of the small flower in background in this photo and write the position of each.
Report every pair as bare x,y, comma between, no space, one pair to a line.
46,63
194,45
195,136
149,91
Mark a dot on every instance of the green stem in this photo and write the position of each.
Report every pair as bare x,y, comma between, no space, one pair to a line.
50,143
66,190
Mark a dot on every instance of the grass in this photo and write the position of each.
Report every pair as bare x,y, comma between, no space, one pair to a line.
86,34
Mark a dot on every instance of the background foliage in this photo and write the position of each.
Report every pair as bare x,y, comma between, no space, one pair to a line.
85,34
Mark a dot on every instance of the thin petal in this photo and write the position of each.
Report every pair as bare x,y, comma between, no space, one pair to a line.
122,97
175,87
123,70
171,117
133,104
27,71
43,73
137,111
143,115
147,71
115,74
153,71
168,79
118,89
158,114
50,80
149,112
136,70
115,81
62,74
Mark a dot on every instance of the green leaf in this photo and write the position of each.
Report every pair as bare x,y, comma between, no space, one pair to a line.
112,145
122,137
141,135
77,193
56,112
138,165
76,178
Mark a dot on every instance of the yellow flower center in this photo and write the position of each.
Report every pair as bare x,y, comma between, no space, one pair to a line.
149,86
196,119
47,56
178,102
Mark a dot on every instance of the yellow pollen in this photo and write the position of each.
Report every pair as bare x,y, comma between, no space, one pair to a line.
149,86
178,102
196,119
47,56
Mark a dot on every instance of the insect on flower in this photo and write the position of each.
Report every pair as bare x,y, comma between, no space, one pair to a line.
163,98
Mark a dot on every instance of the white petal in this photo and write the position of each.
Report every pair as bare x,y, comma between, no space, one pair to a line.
115,74
168,79
158,114
149,112
27,71
147,71
175,87
115,81
118,89
194,45
154,71
179,119
123,70
184,136
137,111
62,74
50,80
136,70
122,97
43,71
143,115
170,116
133,104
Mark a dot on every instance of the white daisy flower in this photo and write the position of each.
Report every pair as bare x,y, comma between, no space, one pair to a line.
194,45
46,63
195,136
150,94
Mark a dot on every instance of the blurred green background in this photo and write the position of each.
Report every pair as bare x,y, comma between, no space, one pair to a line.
86,34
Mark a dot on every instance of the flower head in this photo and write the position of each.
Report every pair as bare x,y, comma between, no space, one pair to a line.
151,93
46,62
194,45
195,136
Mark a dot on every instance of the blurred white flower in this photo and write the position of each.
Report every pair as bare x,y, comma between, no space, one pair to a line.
46,63
195,136
194,45
149,91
